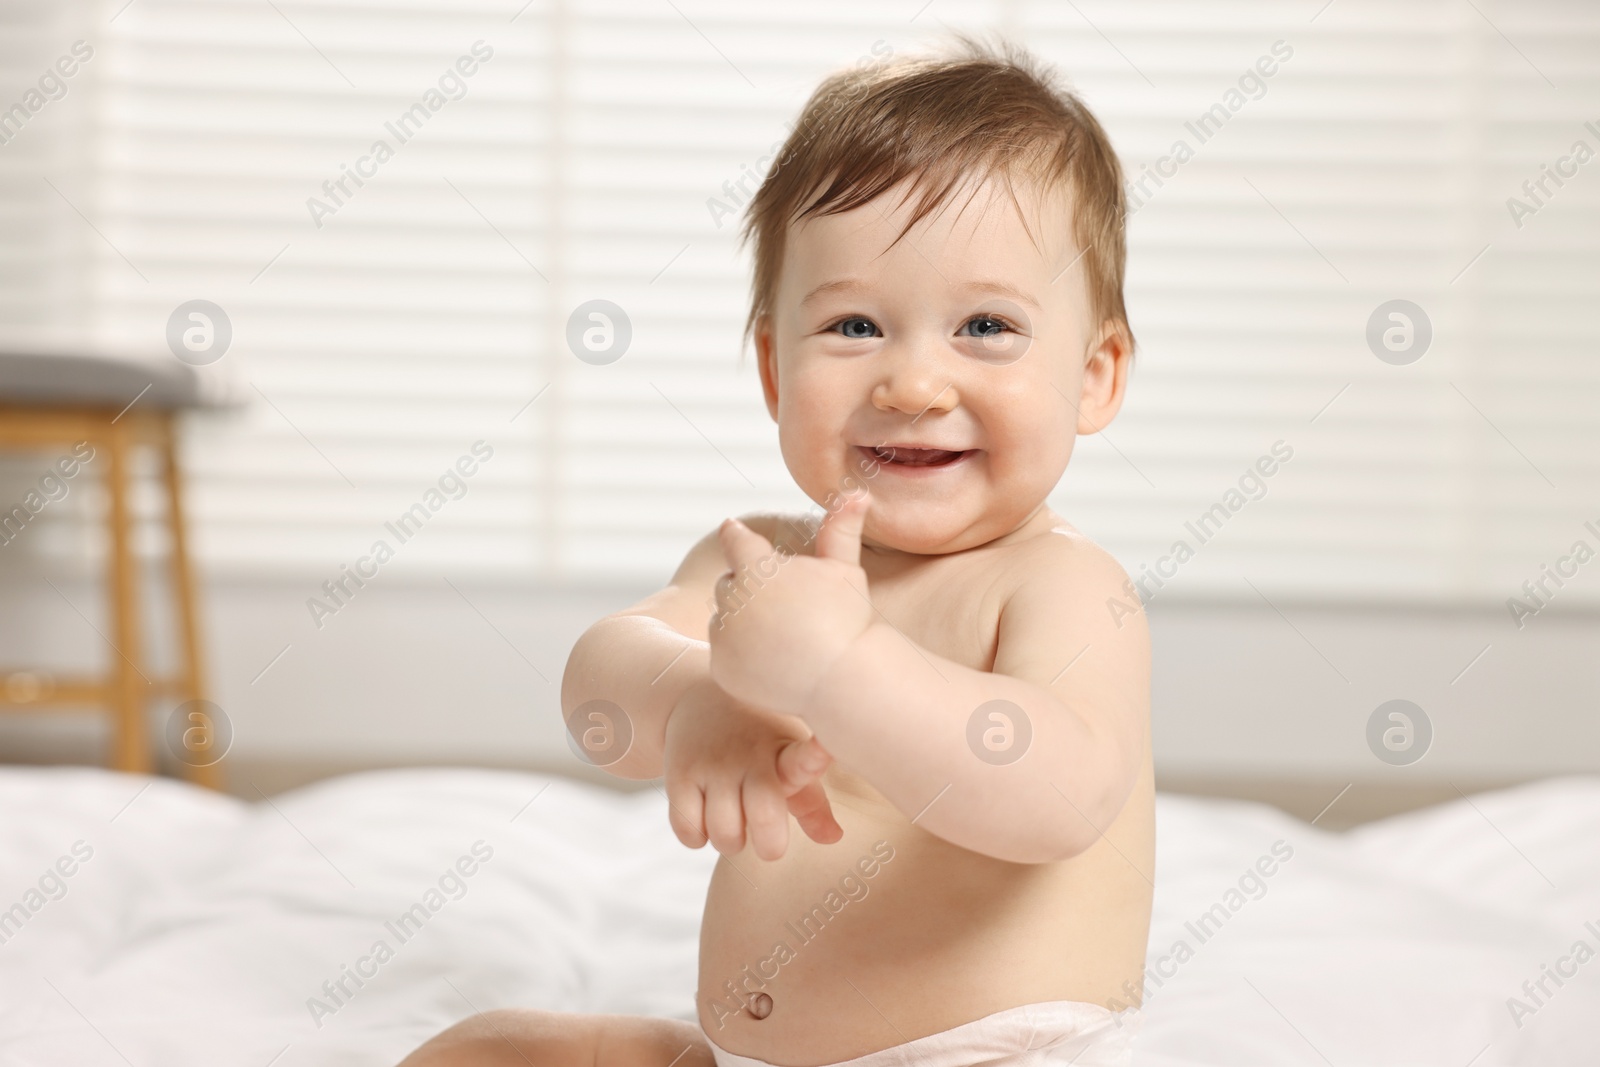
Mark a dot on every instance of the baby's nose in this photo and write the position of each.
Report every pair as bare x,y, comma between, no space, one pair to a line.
916,387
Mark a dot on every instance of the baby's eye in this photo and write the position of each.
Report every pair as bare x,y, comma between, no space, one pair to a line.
989,325
855,327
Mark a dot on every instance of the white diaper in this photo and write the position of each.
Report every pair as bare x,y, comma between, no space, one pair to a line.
1051,1034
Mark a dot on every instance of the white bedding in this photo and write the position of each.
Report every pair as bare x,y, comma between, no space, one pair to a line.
200,926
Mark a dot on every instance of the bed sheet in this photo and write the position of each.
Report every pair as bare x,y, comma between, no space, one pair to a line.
143,921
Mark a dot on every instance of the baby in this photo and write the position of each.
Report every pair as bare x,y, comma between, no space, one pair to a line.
940,681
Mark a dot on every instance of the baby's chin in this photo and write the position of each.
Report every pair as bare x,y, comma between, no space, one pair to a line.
923,531
931,524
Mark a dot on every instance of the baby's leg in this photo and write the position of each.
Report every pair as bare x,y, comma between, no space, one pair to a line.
550,1039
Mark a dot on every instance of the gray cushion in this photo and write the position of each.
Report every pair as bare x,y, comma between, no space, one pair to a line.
44,378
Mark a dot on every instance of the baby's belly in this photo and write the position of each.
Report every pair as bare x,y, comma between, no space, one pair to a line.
892,934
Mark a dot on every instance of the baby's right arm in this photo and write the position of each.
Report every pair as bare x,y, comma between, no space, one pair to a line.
731,767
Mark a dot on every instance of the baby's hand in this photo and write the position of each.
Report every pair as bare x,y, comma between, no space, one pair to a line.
731,768
782,620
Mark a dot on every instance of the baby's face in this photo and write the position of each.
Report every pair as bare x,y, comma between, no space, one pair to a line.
950,371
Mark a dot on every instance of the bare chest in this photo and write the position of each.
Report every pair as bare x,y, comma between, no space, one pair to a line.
950,607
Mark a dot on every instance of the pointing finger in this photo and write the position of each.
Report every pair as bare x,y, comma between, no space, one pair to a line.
840,534
811,809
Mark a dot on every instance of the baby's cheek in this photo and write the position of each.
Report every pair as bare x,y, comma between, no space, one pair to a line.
1042,421
813,454
1031,463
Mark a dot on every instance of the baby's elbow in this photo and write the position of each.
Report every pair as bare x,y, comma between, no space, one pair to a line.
1073,837
1083,820
1042,841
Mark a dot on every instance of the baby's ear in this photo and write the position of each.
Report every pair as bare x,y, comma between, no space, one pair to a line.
1105,377
767,363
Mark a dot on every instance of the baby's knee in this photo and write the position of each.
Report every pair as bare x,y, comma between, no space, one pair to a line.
515,1038
512,1038
628,1041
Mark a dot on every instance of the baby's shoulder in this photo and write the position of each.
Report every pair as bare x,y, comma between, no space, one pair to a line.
1063,564
1065,588
1064,548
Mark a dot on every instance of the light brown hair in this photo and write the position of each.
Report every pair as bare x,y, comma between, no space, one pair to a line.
973,109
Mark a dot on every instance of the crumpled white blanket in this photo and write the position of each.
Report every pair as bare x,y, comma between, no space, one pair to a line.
146,922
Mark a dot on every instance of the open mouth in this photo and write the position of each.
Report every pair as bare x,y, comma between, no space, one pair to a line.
904,457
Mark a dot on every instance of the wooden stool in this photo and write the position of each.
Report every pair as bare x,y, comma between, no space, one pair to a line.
36,413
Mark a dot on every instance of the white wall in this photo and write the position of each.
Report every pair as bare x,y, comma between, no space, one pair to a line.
414,673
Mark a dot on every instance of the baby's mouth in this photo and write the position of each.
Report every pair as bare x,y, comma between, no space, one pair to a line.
906,456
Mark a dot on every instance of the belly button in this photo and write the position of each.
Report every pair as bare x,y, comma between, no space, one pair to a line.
760,1006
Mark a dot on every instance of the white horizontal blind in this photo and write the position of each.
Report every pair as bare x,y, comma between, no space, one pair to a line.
1374,165
380,329
47,101
588,159
43,120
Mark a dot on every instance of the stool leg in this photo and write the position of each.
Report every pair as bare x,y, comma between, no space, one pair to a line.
131,743
191,678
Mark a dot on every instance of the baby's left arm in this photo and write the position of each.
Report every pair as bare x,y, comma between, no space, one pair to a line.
1041,781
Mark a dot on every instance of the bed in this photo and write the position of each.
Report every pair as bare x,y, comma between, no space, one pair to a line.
147,922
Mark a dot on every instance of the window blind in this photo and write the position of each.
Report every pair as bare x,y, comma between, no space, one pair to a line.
604,151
